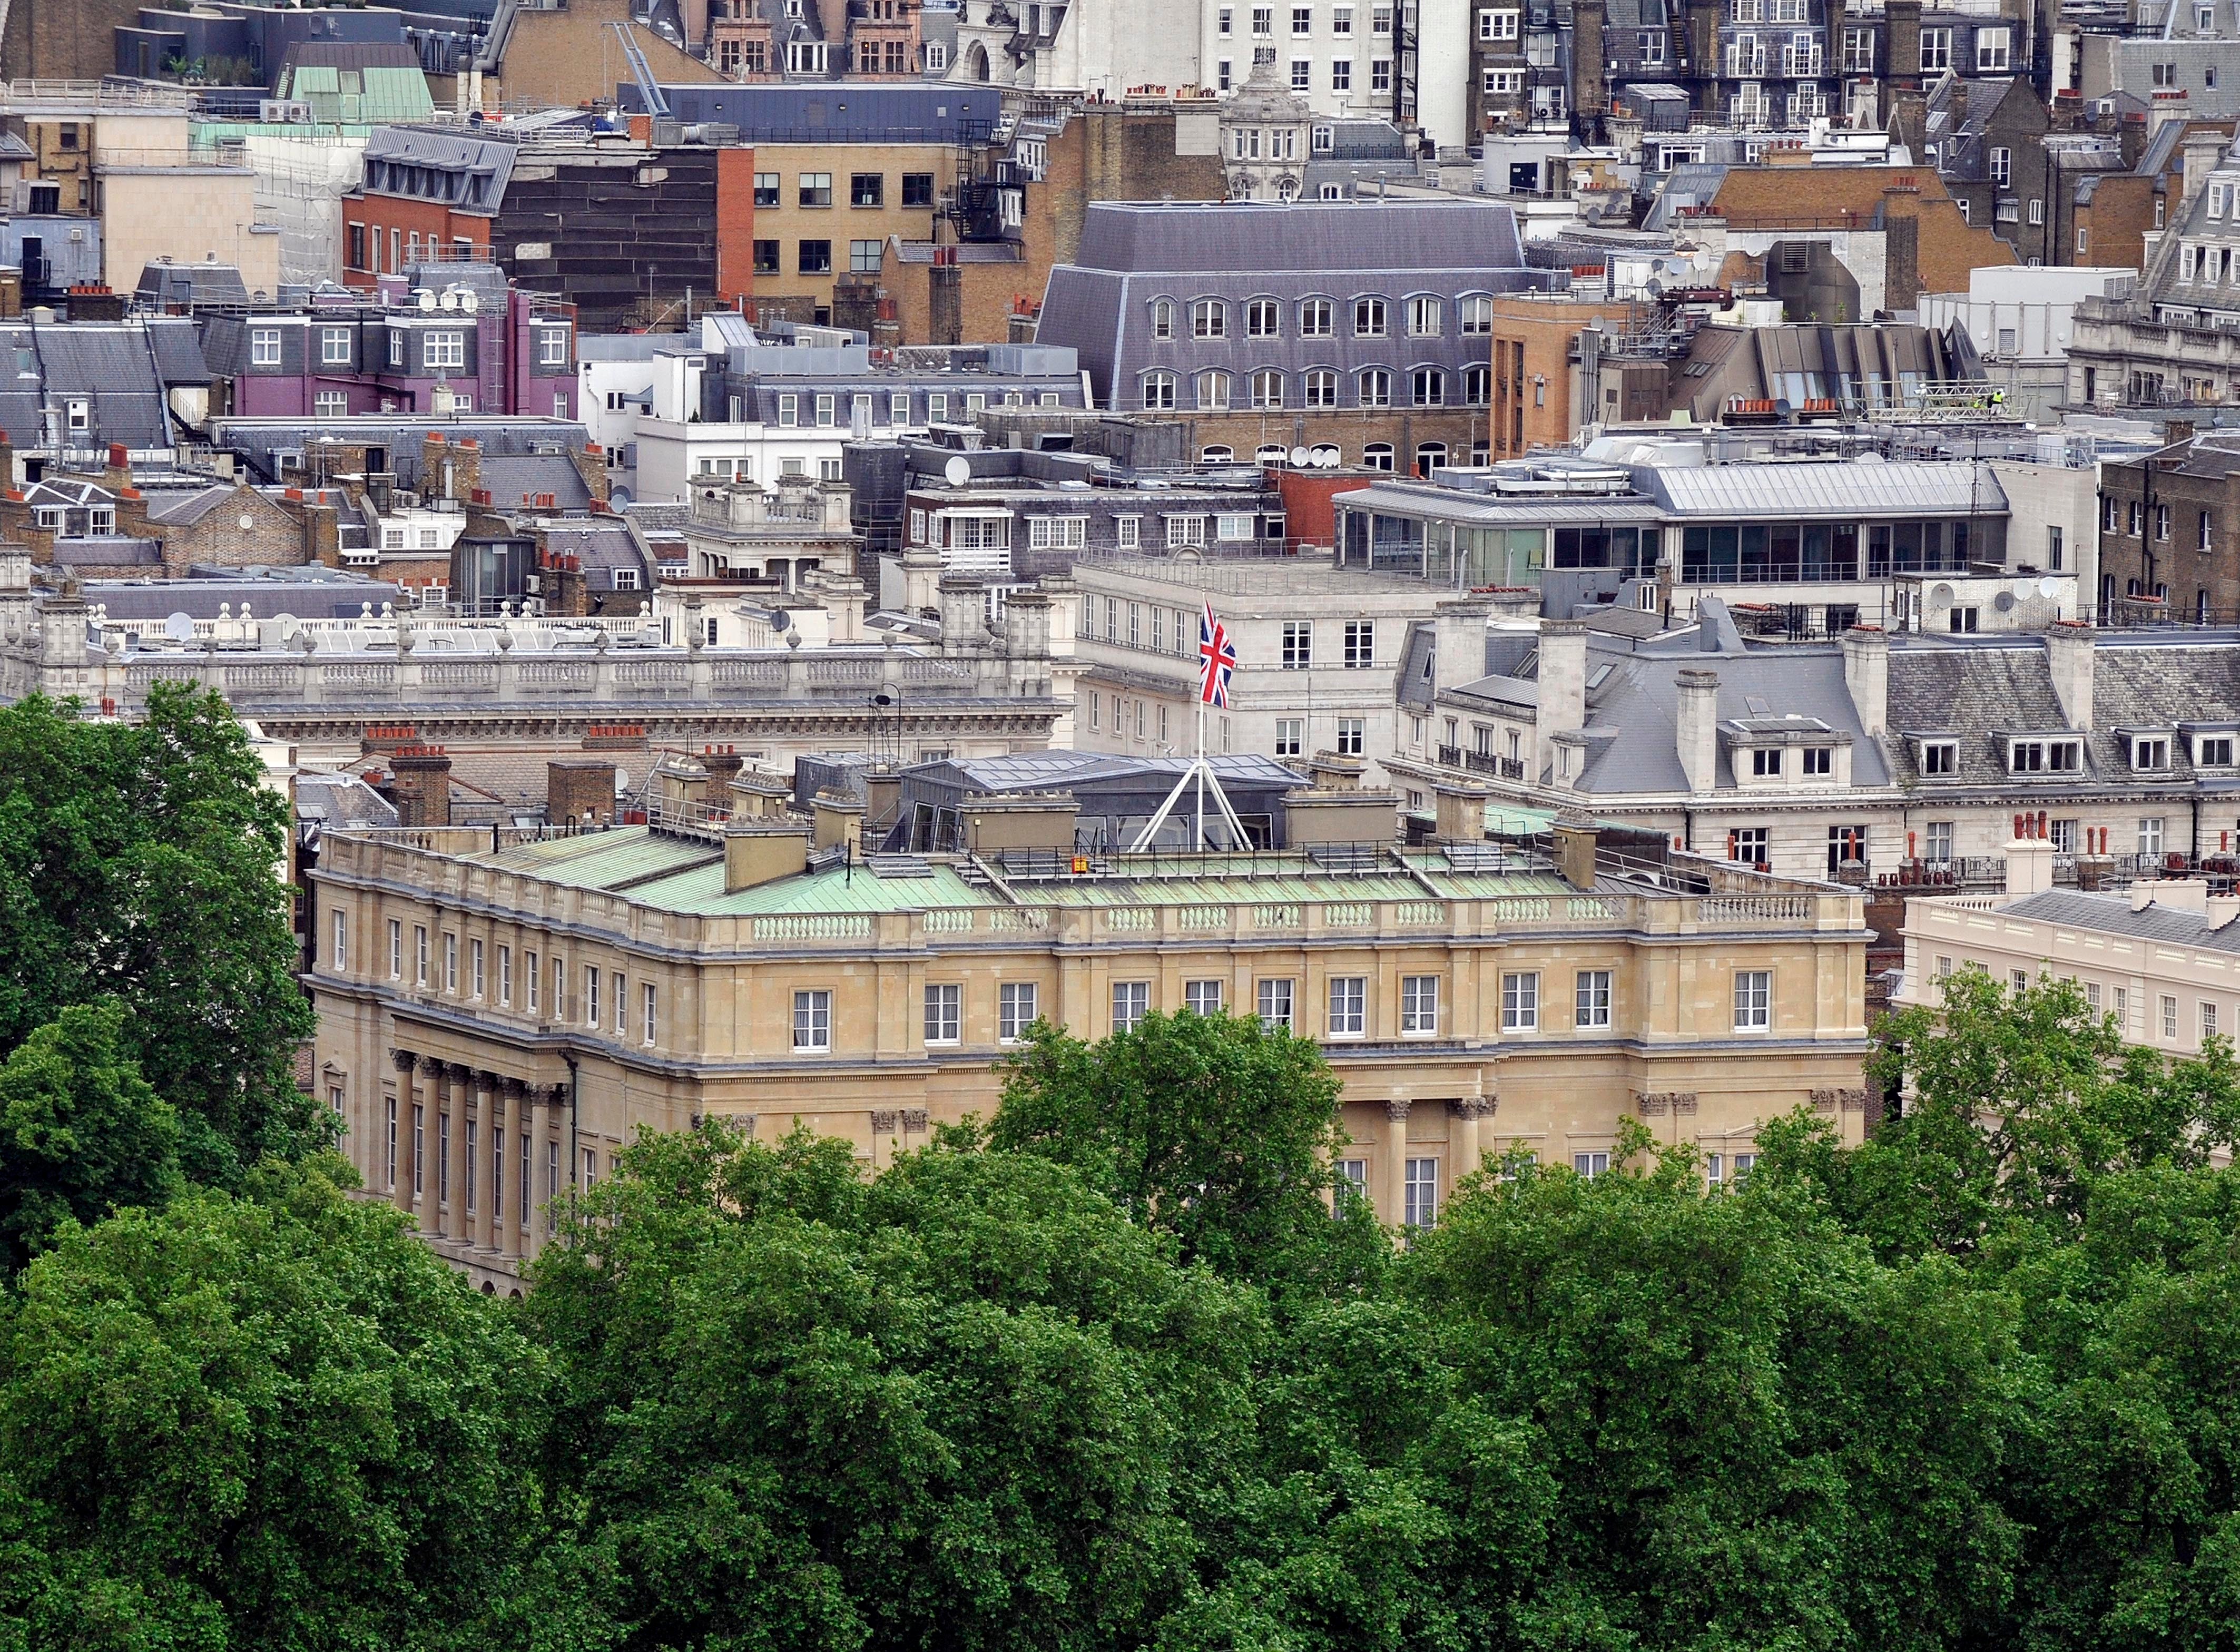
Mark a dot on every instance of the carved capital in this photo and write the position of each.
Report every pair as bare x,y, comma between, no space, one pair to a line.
430,1068
914,1120
405,1060
1472,1107
1397,1111
459,1071
512,1089
883,1122
1657,1103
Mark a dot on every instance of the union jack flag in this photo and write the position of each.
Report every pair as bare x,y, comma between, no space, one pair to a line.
1216,660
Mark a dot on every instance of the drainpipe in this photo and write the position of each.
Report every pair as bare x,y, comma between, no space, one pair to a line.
575,1098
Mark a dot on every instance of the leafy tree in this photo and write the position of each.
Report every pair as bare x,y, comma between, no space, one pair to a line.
965,1405
1753,1434
81,1133
139,862
267,1422
1213,1128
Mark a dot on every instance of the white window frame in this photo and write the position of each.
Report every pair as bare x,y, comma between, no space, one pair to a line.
1753,999
945,1012
1348,998
812,1020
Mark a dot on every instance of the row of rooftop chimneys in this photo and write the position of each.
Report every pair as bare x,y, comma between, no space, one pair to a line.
1562,684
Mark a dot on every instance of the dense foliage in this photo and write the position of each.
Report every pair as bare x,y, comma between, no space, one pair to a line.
1125,1367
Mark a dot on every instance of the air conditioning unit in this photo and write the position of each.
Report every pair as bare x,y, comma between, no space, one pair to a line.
33,196
282,109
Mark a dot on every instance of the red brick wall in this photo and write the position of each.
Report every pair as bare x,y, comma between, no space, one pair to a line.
735,223
435,223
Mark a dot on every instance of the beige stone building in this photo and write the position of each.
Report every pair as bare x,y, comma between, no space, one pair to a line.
502,1012
823,211
2162,958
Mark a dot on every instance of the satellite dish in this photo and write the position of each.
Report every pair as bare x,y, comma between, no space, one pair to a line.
2004,602
1330,458
1656,288
622,780
425,299
957,471
448,300
469,301
1942,594
180,628
289,624
1783,407
780,620
1299,457
2049,586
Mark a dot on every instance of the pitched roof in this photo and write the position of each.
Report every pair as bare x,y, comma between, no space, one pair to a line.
1140,236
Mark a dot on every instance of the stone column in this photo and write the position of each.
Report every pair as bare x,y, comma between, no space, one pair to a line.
539,1152
401,1191
1469,1150
491,1143
1395,1202
517,1129
427,1111
455,1135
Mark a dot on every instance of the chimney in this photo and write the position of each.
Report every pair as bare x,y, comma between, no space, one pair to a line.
756,796
2069,657
579,791
964,615
2172,895
882,802
723,764
117,476
839,819
1461,811
2223,908
1346,814
921,580
1458,641
1563,677
1006,820
1696,730
423,786
1866,677
1904,22
1575,847
761,851
2203,151
1332,771
1590,94
2030,866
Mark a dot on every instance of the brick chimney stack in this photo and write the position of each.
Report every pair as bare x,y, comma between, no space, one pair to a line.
422,786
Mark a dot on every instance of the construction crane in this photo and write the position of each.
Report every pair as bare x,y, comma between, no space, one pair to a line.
641,70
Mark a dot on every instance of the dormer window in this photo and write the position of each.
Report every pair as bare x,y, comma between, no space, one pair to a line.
1765,761
2212,751
2151,751
1820,760
1940,758
2039,756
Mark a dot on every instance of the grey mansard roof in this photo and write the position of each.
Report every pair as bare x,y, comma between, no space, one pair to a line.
1131,237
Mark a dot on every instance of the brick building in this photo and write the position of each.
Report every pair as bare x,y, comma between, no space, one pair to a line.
62,39
966,291
2169,532
427,195
1535,348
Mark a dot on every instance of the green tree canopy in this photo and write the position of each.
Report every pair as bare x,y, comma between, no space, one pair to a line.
140,861
1213,1129
81,1133
268,1421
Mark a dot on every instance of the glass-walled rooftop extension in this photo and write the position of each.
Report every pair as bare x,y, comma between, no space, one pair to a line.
1742,523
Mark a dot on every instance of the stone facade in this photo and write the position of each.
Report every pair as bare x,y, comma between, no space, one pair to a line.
1466,1011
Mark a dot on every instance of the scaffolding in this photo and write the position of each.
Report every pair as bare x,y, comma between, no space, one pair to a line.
301,173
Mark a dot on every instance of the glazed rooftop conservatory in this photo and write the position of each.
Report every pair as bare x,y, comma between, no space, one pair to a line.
1745,523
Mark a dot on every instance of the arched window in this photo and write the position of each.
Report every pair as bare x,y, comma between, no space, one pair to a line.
1369,317
1217,455
1163,318
1314,318
1208,319
1213,391
1267,388
1262,318
1318,387
1271,453
1375,387
1378,456
1158,391
1426,316
1429,456
1477,312
1427,387
1477,384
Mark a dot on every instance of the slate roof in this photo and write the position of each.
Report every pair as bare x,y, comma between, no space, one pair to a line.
508,478
196,284
1637,707
2171,925
489,158
109,364
186,510
1130,237
606,544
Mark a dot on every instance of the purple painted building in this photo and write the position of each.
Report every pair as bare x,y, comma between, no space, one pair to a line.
459,331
